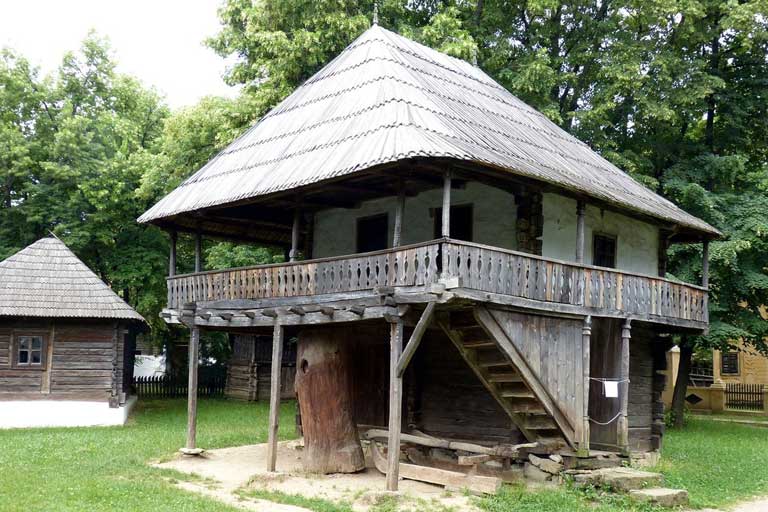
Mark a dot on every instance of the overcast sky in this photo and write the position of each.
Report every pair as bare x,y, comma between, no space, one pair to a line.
158,41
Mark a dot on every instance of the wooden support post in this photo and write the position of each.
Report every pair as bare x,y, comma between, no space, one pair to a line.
586,341
446,224
198,252
274,395
415,340
623,423
172,256
580,231
194,352
395,405
399,212
294,253
705,264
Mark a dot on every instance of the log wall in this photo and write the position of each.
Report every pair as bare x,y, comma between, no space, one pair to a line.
249,368
82,360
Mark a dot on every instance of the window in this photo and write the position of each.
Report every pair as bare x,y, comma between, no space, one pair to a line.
372,233
30,351
604,251
461,222
729,364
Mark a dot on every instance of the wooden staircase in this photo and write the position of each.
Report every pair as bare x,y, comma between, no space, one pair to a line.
506,376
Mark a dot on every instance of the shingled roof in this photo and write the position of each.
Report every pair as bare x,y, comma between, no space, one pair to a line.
47,280
386,98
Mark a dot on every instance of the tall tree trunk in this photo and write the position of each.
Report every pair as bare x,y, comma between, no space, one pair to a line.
681,384
323,385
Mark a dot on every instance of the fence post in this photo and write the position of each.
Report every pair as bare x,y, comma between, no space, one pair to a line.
717,396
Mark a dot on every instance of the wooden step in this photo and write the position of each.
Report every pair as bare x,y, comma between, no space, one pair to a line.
473,344
490,363
527,407
506,377
540,422
522,393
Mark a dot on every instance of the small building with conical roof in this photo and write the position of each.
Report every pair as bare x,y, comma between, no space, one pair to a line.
65,337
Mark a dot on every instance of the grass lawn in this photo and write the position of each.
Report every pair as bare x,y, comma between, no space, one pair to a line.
99,469
105,469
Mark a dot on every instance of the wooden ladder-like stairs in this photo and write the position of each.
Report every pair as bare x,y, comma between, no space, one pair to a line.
504,381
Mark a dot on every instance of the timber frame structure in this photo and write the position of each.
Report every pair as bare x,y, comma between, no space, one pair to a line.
521,343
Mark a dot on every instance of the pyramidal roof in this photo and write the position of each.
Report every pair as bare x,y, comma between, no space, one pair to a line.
387,98
47,280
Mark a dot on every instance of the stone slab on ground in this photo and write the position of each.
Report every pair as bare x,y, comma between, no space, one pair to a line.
661,496
625,479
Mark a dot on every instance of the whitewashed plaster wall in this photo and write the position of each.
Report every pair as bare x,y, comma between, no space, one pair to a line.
637,241
493,219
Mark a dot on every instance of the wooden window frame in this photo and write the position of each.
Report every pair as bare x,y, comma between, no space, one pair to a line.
615,239
16,349
738,363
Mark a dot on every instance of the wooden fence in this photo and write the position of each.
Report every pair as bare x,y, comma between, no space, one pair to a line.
744,397
210,384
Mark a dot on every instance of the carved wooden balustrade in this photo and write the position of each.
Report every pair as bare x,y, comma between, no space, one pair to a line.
494,271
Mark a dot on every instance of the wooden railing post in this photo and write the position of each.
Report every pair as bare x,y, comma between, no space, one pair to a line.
395,405
274,395
586,341
623,423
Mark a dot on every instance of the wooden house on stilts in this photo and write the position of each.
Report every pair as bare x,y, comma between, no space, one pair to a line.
460,266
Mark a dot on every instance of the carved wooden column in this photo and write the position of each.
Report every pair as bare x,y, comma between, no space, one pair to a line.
172,255
294,253
395,404
586,341
446,224
274,395
623,423
399,212
580,230
705,264
198,252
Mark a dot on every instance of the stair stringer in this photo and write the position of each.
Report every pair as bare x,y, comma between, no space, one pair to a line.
517,419
489,323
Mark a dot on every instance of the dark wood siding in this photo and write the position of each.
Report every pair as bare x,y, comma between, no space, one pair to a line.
249,368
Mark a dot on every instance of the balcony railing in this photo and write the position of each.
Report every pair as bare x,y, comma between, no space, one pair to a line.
479,268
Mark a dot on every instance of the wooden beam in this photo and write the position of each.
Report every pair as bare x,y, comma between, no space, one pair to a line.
586,342
198,252
399,212
172,256
415,339
623,423
274,395
705,264
395,405
294,253
194,351
580,230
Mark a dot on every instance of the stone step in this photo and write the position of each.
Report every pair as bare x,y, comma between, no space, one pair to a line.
625,479
661,496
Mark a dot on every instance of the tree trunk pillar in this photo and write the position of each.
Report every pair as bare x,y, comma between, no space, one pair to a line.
323,386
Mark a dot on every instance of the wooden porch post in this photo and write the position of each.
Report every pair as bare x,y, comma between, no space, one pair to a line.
446,224
274,395
194,351
623,423
580,216
705,264
172,255
198,252
399,212
294,253
395,405
586,340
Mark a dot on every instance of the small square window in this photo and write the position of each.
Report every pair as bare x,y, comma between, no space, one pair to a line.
729,363
30,351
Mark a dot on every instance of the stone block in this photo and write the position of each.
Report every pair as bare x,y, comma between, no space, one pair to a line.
534,474
661,496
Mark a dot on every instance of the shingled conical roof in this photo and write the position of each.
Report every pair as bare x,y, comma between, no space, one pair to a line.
47,280
386,98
